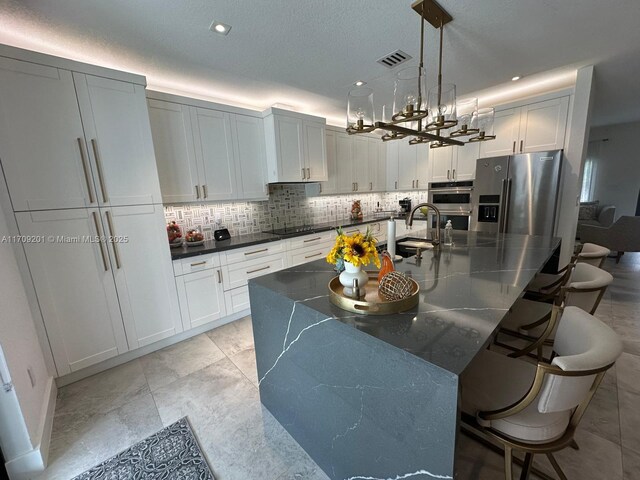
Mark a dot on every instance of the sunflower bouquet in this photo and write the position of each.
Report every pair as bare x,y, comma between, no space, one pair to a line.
357,249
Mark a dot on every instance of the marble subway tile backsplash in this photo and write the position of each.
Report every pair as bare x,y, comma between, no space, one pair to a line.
287,206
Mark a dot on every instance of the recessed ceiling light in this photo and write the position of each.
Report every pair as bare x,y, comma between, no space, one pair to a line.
516,78
221,28
359,83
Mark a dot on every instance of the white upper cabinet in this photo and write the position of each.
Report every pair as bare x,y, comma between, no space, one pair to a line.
250,155
315,151
392,165
408,164
331,185
75,287
344,161
535,127
205,154
296,147
143,273
42,145
174,149
455,163
214,154
116,124
441,160
377,153
360,166
543,125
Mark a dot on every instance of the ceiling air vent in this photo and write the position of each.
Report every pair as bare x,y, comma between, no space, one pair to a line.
394,59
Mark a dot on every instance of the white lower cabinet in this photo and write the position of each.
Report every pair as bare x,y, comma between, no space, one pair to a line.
74,285
142,270
237,299
201,297
238,274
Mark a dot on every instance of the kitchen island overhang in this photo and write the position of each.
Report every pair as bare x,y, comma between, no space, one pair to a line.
377,397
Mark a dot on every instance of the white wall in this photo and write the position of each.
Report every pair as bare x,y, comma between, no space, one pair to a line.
20,344
617,162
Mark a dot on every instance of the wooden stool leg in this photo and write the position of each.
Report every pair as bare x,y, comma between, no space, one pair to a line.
556,467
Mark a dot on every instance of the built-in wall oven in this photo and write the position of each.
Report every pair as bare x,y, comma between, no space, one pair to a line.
453,199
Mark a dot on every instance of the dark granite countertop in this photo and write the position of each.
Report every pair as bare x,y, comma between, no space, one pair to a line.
211,246
465,291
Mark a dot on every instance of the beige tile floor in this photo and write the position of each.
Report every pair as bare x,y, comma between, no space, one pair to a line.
212,379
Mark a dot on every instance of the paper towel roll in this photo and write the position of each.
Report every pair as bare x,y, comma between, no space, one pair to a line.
391,238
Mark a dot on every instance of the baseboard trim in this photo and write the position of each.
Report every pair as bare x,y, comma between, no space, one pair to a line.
139,352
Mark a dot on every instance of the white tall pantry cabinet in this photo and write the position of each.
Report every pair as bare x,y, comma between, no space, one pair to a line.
78,161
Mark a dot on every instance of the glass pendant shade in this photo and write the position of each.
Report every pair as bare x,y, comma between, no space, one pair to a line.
467,112
442,107
486,117
360,115
409,95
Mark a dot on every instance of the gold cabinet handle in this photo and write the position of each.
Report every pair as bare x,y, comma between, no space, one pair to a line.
219,276
418,182
521,145
96,154
102,252
204,191
314,255
256,251
514,146
370,185
197,264
453,176
114,245
85,169
258,269
308,173
303,175
312,239
448,178
197,191
395,185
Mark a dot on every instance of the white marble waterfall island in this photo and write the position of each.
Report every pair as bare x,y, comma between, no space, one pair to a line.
377,397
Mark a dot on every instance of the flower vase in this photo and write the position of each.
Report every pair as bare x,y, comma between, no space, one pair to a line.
350,273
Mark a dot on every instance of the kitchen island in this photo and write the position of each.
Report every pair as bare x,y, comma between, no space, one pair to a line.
377,397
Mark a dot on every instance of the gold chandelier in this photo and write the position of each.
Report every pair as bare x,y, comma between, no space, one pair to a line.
430,118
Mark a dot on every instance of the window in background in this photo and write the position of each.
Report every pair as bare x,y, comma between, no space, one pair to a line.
588,180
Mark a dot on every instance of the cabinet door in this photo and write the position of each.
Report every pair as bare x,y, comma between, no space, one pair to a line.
407,164
315,151
175,155
393,150
344,162
330,186
440,159
41,138
251,157
543,125
506,129
361,166
214,153
464,161
290,149
378,151
116,123
75,289
201,297
423,166
143,273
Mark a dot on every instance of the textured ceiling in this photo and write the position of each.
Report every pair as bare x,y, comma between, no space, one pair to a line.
307,53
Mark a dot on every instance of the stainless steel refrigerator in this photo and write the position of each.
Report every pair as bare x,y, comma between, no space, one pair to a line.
517,193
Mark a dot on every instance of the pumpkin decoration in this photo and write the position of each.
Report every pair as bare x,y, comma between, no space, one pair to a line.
387,265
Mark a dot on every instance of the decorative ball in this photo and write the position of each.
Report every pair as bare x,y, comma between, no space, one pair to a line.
395,286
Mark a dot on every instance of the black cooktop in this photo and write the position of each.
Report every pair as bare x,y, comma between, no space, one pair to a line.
291,230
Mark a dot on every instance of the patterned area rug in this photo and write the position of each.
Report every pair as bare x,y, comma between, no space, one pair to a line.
173,454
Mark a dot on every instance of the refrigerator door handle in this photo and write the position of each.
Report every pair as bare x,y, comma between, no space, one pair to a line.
506,204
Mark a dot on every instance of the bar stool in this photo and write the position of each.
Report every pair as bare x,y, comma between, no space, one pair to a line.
528,319
536,409
548,285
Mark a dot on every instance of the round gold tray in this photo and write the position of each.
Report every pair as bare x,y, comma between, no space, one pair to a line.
373,303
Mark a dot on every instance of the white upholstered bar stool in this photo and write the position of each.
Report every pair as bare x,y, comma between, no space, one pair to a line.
528,319
535,409
547,284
